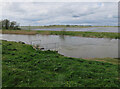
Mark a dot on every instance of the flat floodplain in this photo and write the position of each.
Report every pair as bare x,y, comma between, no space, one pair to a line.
70,33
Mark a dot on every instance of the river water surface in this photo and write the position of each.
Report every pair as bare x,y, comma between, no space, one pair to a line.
90,29
71,46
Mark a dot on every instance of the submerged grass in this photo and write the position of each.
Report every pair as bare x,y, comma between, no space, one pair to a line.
70,33
25,67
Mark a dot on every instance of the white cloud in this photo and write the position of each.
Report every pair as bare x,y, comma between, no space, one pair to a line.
59,0
40,13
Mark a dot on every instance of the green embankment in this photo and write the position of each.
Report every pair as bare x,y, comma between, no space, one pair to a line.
70,33
25,67
83,34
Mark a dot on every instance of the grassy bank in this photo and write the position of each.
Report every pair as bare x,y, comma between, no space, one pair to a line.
25,67
70,33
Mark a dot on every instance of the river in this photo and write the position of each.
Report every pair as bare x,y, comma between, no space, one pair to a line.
90,29
71,46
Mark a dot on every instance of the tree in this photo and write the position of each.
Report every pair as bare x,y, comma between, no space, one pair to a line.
0,24
12,25
16,26
6,24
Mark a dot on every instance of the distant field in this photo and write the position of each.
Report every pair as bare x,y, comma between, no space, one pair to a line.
59,26
24,66
70,33
52,26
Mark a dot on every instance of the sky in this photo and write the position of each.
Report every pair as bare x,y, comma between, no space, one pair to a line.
61,13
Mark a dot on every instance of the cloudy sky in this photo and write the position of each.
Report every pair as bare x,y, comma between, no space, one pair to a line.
51,13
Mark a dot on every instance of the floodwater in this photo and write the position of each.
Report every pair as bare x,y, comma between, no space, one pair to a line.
71,46
90,29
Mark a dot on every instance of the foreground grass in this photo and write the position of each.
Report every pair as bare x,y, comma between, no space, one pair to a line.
70,33
25,67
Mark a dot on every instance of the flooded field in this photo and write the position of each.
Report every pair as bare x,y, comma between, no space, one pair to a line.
91,29
79,47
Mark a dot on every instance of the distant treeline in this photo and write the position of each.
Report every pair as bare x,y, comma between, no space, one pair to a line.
65,25
69,25
77,26
9,25
61,26
54,26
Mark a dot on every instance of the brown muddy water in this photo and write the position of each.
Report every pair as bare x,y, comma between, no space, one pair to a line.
71,46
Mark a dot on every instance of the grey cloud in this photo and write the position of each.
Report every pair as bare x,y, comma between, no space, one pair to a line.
62,13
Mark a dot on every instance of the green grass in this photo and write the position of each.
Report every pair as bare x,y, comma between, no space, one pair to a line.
83,34
25,67
70,33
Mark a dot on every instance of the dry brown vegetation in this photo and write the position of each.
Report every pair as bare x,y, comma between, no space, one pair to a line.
108,60
18,32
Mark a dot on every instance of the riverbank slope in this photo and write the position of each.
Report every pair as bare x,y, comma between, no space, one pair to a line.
25,67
